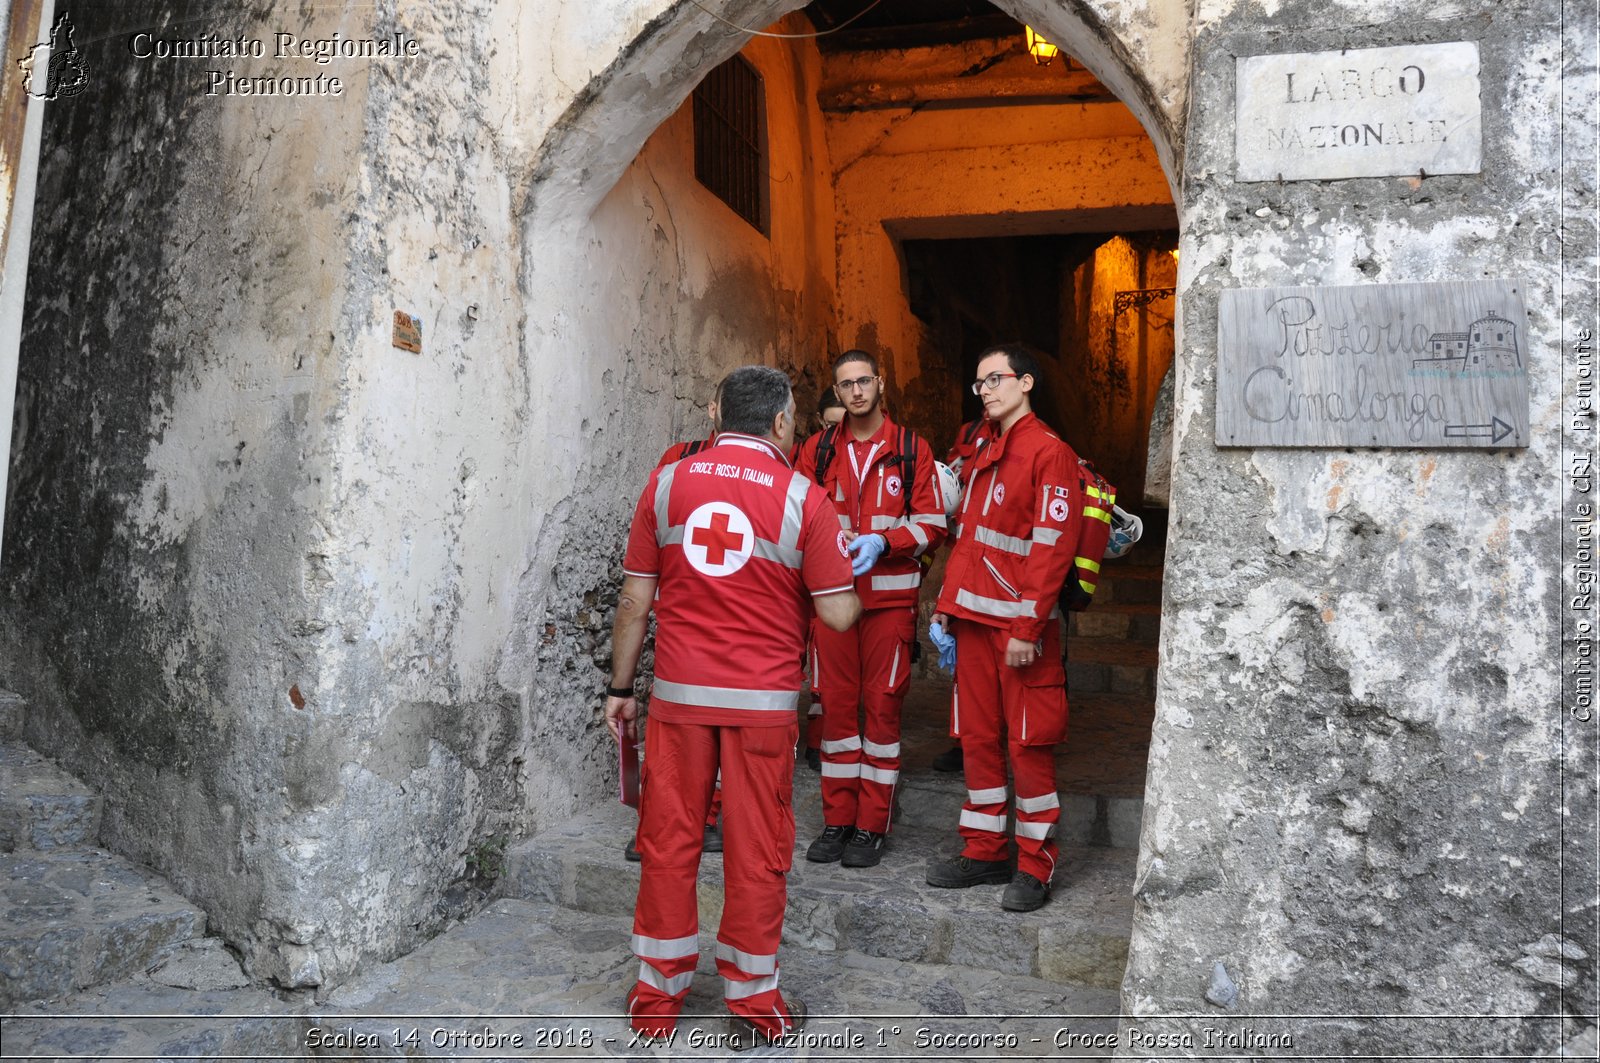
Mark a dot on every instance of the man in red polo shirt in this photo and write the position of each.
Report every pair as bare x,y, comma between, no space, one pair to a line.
885,489
1016,534
734,549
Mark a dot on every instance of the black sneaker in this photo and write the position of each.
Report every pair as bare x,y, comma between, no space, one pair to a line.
1025,894
864,849
712,841
964,871
829,845
814,758
950,760
743,1034
631,853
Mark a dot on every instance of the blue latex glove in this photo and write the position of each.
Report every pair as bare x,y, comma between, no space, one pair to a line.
945,644
867,549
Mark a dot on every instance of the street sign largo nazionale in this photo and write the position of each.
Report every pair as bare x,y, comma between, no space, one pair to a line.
1382,365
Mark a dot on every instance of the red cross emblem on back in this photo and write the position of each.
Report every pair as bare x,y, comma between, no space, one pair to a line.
718,539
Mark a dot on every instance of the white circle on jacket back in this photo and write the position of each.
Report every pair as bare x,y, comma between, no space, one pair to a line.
718,539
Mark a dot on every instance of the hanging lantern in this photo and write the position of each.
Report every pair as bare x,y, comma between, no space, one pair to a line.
1041,50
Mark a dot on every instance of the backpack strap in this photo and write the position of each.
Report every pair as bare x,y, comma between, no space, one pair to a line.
908,465
694,447
825,451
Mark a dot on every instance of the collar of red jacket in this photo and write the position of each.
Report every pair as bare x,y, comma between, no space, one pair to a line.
996,447
739,439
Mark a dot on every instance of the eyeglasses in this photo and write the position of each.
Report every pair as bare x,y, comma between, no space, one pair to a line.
860,383
991,382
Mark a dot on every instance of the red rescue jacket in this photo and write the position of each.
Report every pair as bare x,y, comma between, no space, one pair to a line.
1017,530
877,503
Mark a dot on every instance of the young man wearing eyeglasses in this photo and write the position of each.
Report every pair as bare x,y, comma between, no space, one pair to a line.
1016,531
885,489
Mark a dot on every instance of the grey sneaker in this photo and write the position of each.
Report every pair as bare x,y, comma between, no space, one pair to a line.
829,845
1025,894
964,871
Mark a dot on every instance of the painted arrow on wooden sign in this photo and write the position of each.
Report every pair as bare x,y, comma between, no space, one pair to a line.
1496,430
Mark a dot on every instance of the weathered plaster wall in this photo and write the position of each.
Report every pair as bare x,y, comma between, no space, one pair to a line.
1355,795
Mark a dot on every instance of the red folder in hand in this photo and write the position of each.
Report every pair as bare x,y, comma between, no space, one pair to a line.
628,771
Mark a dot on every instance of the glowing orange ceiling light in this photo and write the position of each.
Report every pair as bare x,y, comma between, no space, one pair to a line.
1041,50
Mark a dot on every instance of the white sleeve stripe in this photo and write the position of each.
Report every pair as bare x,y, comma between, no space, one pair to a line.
834,590
641,575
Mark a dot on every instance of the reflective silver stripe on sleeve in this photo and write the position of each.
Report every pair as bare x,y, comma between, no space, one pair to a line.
671,537
747,962
994,796
831,770
898,583
883,776
937,520
670,986
919,535
1001,541
1037,831
787,556
726,697
979,821
1038,804
639,575
873,749
794,510
733,989
844,521
665,948
663,490
883,522
1046,536
841,745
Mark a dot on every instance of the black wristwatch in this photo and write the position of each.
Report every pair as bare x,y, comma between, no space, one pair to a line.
619,692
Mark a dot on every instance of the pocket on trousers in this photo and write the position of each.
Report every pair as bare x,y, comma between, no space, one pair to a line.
1044,712
771,766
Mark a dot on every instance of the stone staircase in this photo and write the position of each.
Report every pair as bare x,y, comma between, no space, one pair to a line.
99,959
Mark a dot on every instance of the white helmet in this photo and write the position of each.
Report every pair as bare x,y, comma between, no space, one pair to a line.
1126,529
949,488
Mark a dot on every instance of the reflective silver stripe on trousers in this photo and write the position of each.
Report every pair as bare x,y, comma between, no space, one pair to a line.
831,770
663,490
747,962
666,948
1038,804
898,583
994,796
1001,541
884,776
727,697
1046,536
841,745
794,506
678,983
875,750
894,667
979,821
1037,831
733,989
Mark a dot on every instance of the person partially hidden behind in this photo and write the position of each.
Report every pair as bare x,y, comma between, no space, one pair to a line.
830,411
734,549
1016,533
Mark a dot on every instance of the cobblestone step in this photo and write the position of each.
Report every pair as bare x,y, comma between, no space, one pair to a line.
1079,938
41,806
556,976
73,919
109,1023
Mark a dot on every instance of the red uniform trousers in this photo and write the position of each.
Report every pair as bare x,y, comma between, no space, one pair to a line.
1030,705
757,766
814,710
868,666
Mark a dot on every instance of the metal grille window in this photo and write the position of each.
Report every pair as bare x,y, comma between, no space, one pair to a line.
729,136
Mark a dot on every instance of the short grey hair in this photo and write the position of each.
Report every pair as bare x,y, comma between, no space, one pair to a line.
751,397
